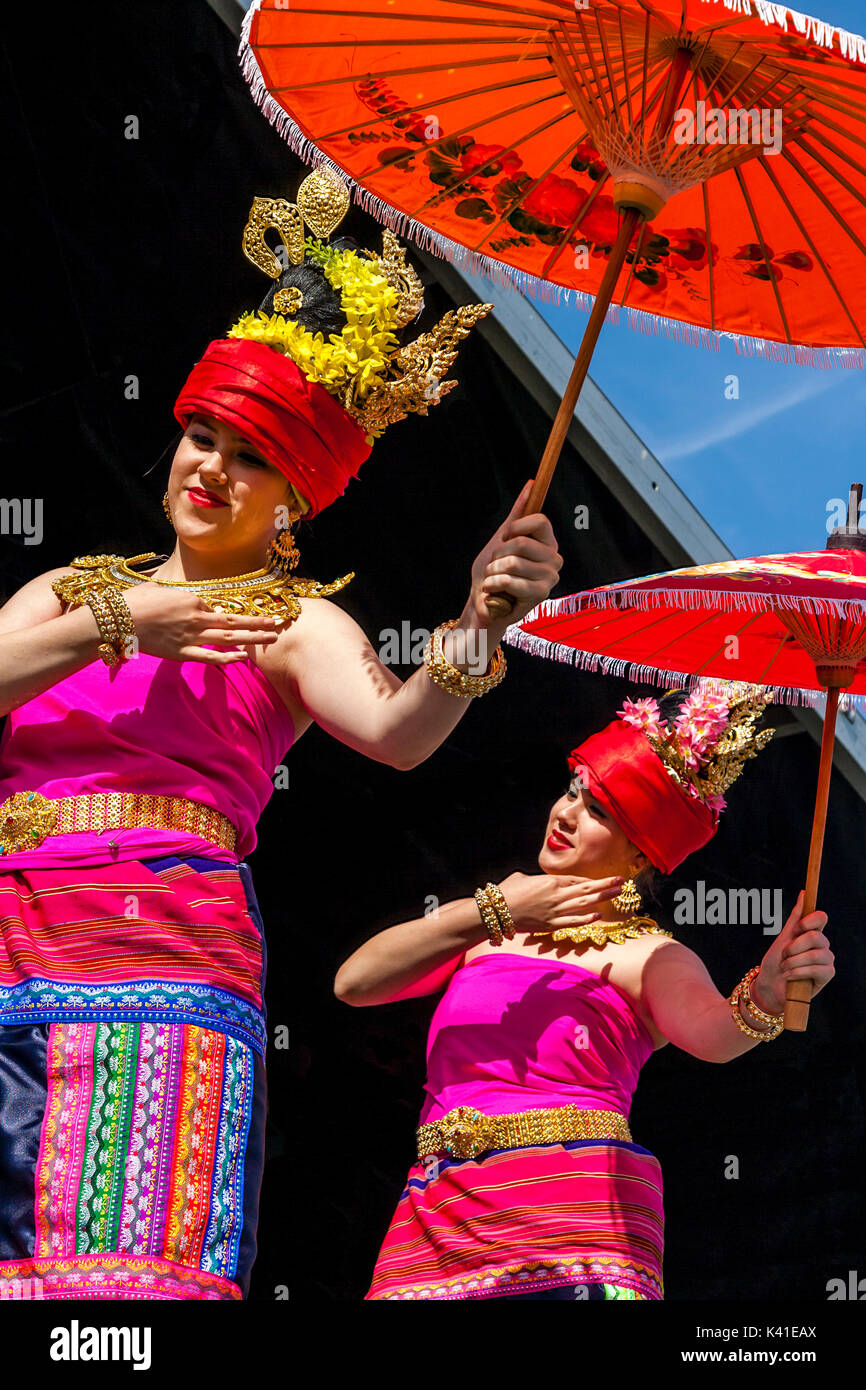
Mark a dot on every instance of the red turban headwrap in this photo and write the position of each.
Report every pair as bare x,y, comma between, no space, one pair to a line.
296,424
629,780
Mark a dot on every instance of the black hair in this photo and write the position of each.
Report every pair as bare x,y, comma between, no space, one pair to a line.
670,704
320,311
171,447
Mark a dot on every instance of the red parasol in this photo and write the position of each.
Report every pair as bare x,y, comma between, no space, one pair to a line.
701,164
794,623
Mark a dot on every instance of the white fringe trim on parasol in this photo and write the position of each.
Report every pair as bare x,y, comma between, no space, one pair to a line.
654,675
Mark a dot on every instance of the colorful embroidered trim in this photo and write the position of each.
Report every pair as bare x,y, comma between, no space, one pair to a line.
630,1280
39,1000
143,1144
109,1277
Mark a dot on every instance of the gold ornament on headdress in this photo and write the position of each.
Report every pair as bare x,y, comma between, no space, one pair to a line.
724,759
283,217
376,381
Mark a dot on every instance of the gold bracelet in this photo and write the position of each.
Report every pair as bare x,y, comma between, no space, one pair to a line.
123,621
110,648
771,1020
456,682
500,907
488,917
114,621
736,994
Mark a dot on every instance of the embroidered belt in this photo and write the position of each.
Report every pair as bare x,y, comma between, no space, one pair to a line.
27,818
466,1132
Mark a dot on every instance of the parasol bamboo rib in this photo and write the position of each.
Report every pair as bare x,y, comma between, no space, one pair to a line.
557,251
764,252
422,106
819,259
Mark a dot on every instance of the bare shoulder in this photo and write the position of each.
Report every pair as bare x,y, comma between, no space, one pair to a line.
664,953
319,637
322,631
318,614
34,602
654,961
631,962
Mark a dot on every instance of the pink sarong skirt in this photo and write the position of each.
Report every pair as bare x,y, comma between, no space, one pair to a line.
583,1215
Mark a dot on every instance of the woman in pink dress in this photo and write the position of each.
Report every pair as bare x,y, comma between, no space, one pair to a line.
149,702
529,1184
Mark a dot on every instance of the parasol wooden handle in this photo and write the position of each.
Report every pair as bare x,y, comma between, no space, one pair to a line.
501,605
799,992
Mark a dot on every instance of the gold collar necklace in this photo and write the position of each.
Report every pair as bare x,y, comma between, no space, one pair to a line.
263,592
599,933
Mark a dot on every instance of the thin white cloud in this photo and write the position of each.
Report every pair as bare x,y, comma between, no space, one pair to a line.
736,418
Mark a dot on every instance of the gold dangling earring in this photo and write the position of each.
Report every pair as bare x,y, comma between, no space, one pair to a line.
283,554
628,900
167,509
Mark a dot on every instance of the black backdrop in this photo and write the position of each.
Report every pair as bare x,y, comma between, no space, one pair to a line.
123,259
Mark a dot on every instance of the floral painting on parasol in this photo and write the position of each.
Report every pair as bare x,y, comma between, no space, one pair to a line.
513,137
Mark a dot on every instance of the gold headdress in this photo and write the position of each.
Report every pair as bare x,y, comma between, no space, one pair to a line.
707,745
375,380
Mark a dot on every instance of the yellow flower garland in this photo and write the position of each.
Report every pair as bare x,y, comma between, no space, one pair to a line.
351,363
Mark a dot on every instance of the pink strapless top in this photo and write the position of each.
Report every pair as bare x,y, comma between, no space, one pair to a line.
210,733
514,1032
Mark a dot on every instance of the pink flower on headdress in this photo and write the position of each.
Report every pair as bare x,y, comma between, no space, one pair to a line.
701,730
703,717
712,696
642,714
690,748
716,802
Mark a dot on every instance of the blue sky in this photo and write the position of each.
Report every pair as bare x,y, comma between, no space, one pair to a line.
760,468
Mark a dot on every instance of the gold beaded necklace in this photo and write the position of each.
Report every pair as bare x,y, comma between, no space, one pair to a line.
262,592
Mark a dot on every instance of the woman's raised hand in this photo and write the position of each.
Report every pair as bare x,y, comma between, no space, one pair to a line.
801,951
176,623
521,559
546,902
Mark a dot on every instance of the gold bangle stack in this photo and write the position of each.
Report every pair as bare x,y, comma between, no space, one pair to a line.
457,682
494,913
775,1022
114,621
500,907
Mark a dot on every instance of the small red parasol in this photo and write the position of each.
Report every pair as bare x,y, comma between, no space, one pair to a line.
794,623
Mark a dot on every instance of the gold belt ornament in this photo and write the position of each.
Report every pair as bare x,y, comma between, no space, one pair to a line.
27,818
466,1132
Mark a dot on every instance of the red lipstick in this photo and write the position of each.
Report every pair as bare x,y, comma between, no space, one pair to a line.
201,498
555,840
